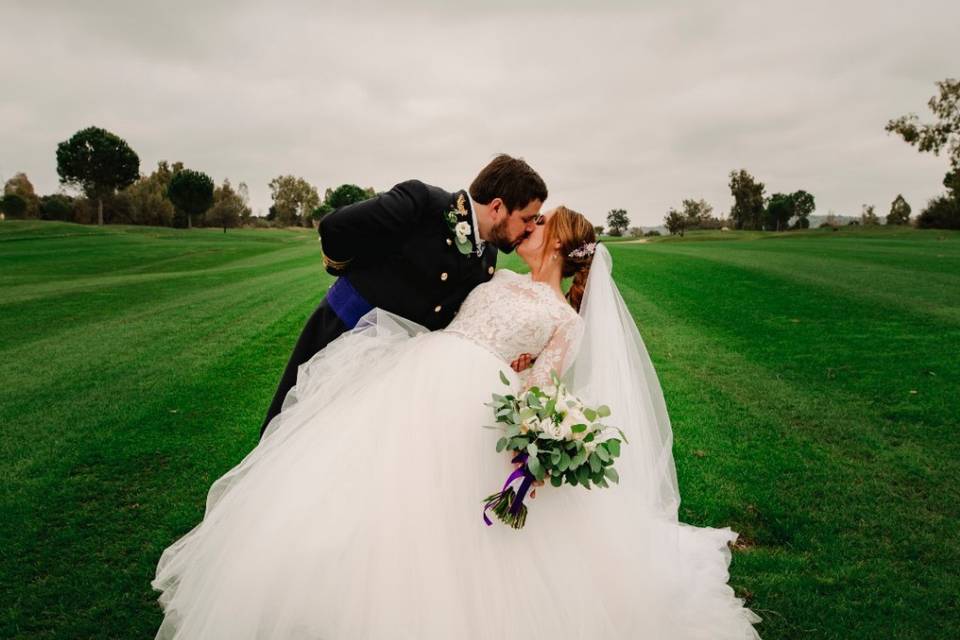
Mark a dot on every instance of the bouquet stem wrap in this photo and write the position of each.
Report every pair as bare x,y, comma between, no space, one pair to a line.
507,505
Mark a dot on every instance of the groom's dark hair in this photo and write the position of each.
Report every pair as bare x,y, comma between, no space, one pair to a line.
510,179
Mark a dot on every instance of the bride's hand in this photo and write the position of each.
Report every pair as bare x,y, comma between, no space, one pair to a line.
536,483
521,363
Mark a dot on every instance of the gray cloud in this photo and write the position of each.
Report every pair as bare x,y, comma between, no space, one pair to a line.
633,105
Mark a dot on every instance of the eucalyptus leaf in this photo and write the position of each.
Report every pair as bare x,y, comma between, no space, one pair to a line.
594,460
603,411
602,452
612,474
533,464
501,444
613,446
503,379
583,475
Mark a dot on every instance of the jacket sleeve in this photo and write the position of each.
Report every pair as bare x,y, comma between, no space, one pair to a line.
370,227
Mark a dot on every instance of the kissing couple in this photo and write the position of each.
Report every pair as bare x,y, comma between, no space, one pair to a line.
358,514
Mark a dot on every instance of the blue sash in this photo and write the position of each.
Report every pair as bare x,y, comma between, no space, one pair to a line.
347,303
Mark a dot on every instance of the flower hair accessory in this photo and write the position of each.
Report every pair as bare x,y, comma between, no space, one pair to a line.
583,251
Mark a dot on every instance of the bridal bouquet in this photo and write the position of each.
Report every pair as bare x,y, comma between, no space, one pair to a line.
553,434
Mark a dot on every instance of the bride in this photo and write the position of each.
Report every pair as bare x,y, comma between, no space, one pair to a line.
359,513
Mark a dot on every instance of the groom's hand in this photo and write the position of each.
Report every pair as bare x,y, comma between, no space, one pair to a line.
523,362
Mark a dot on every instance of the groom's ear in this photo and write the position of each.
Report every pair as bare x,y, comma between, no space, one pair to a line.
498,209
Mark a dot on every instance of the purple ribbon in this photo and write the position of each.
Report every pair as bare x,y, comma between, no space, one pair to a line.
521,472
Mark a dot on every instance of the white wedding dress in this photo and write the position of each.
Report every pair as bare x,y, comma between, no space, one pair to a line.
359,514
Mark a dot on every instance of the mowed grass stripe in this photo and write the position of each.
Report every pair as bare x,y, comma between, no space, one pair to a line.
824,467
125,494
132,354
898,287
790,400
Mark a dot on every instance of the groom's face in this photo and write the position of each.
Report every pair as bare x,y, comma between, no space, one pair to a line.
512,227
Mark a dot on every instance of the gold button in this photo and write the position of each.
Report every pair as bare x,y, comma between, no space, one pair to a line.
437,308
449,241
443,276
490,270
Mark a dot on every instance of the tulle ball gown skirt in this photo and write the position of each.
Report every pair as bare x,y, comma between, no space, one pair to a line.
359,515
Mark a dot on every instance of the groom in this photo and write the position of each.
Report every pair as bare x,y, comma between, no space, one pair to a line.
416,251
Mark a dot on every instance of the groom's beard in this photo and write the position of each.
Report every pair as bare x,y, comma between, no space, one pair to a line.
500,237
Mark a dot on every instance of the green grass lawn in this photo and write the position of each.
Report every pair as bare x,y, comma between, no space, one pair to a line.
812,380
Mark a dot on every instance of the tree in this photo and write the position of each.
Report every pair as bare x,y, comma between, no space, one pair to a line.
942,212
899,211
869,215
346,194
675,222
952,182
19,185
803,205
13,205
598,229
617,221
98,162
229,207
340,197
147,199
697,212
944,133
747,211
294,200
191,192
57,206
635,232
780,209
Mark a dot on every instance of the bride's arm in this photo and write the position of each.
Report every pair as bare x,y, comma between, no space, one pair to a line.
556,356
370,227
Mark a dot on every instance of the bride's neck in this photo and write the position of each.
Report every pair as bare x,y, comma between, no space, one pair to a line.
548,271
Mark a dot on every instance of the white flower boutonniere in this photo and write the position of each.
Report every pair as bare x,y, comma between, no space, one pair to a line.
461,228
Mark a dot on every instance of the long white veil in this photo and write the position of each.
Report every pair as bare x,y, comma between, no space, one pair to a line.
612,367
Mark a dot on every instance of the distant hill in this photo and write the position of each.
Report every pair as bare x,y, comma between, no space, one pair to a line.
817,220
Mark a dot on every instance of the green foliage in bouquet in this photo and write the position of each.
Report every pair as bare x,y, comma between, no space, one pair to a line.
561,437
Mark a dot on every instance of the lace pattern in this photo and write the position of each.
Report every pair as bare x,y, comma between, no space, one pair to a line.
512,314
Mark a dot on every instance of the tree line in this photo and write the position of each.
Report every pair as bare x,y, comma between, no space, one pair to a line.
753,209
105,171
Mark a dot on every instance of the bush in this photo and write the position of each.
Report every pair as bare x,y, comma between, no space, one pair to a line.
652,232
942,212
57,207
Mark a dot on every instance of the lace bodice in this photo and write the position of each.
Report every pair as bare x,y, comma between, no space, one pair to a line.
512,314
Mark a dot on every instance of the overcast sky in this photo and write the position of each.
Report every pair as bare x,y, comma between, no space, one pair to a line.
619,104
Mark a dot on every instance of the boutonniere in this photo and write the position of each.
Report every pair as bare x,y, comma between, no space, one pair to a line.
461,228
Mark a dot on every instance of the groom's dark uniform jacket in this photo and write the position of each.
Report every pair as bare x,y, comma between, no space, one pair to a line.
397,251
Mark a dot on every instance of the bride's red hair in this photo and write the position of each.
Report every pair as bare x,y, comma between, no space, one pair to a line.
573,231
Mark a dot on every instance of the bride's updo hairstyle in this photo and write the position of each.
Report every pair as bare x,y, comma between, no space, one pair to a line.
577,241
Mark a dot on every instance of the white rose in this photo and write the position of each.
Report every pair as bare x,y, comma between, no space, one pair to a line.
551,430
462,230
530,424
570,418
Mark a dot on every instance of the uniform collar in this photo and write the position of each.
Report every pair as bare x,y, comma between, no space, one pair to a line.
477,242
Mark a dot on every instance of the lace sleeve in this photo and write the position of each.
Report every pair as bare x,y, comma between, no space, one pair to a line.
557,355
